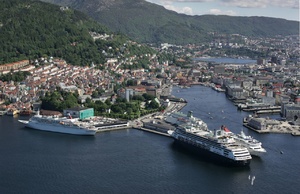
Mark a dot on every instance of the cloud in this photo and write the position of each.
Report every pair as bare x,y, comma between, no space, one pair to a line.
219,12
238,3
185,10
189,11
261,3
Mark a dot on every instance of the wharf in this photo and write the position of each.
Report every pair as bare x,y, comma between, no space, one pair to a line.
153,131
112,129
261,110
156,124
282,127
267,111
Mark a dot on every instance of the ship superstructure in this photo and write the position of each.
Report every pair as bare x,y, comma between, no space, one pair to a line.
179,118
60,124
215,145
254,146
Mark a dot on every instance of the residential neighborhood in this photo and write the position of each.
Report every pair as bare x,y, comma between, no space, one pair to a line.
272,81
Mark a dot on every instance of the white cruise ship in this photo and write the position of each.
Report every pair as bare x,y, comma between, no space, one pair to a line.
213,145
179,118
254,146
60,125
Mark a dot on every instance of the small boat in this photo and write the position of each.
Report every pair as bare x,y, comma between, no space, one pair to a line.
25,112
252,180
3,112
12,112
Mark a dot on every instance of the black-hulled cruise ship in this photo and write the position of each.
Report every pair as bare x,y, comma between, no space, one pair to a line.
216,145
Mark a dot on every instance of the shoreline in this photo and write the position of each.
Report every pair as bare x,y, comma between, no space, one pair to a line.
283,128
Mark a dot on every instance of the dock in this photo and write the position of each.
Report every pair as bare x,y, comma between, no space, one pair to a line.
262,110
112,129
153,131
282,127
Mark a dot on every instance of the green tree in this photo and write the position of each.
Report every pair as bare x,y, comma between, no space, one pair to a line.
153,104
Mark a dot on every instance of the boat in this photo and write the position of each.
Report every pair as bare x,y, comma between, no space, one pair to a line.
12,112
179,118
254,146
25,112
66,125
2,112
215,146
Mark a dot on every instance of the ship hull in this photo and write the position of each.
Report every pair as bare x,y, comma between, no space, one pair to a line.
255,150
257,153
58,129
210,156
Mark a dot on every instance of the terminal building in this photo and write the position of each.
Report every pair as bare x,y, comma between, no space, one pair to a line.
79,112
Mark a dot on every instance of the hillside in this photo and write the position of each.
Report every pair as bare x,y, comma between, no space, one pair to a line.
147,22
31,29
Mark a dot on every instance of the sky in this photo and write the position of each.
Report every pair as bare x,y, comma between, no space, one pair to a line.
286,9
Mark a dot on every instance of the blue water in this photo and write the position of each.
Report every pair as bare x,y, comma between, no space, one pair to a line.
227,60
133,161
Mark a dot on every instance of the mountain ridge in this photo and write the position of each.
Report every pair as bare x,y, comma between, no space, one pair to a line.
147,22
31,29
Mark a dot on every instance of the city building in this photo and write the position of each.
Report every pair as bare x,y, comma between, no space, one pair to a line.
79,112
291,112
257,123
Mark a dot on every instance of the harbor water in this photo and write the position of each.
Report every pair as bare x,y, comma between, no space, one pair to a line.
134,161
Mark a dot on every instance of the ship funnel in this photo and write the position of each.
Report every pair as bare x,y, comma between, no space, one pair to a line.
190,114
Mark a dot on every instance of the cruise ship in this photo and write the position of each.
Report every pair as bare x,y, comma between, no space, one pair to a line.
179,118
216,145
66,125
254,146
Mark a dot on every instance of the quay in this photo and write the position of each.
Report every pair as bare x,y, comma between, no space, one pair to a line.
153,131
112,125
267,111
262,110
156,124
280,127
153,122
112,129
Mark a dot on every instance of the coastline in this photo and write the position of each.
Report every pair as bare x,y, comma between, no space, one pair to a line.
283,127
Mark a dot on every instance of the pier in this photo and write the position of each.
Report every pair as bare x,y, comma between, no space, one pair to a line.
262,110
153,131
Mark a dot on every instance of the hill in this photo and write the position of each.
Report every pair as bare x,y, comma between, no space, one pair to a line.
147,22
31,29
